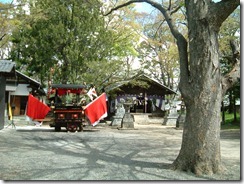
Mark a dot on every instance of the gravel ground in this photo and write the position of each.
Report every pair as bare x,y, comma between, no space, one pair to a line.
104,153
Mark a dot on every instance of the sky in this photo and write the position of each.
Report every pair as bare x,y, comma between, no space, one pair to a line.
144,7
5,1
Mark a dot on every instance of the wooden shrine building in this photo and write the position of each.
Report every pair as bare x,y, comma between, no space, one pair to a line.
146,93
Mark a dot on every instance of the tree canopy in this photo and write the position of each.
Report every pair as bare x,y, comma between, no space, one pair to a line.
8,23
72,38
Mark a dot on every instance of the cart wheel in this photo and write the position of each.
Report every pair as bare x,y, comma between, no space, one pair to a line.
57,129
72,127
80,128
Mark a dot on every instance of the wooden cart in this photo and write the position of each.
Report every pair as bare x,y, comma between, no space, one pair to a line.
67,109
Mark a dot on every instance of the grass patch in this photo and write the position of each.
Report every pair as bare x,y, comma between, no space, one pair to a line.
230,123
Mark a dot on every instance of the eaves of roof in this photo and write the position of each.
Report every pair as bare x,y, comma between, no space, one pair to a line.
28,79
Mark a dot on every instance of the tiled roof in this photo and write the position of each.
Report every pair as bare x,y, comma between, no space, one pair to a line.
155,87
6,66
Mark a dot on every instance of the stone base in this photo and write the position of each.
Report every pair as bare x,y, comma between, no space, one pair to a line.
116,122
170,121
127,121
119,128
141,118
180,121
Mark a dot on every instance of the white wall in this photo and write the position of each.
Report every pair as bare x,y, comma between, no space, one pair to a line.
21,90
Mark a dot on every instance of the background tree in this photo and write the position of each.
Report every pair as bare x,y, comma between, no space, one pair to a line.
8,23
229,37
201,84
72,38
52,35
159,55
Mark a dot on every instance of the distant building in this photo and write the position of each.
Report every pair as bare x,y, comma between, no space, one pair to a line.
147,94
17,87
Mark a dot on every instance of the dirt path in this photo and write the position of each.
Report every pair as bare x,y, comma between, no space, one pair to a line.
104,153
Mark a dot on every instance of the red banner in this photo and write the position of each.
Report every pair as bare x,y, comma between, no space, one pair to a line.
97,109
36,109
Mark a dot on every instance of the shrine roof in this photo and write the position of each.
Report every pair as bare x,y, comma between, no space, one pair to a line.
6,66
141,84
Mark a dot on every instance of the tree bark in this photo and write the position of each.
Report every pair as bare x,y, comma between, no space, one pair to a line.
200,151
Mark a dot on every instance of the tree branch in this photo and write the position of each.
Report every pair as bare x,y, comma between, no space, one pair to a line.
121,6
10,6
221,10
1,38
235,50
175,10
169,5
181,41
234,75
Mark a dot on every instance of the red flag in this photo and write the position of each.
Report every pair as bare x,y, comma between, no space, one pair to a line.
36,109
97,109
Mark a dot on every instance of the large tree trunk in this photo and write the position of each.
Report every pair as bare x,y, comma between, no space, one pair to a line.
200,151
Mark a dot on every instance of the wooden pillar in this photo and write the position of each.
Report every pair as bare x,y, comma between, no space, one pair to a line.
2,100
145,102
